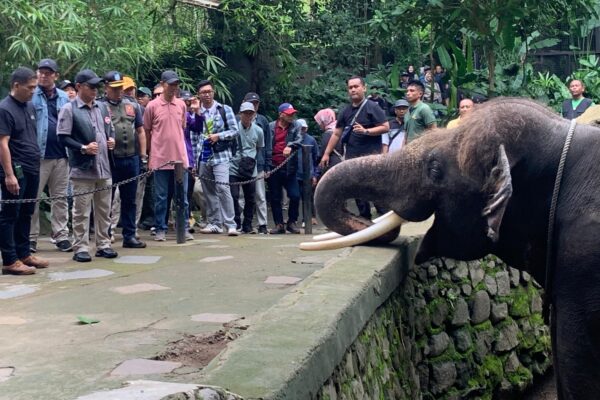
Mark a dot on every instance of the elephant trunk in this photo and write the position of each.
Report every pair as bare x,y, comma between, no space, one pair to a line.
365,178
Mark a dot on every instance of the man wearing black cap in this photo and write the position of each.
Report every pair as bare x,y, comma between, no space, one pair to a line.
129,151
69,88
19,174
54,168
164,122
85,128
263,163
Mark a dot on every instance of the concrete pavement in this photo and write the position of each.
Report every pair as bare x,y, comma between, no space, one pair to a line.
144,300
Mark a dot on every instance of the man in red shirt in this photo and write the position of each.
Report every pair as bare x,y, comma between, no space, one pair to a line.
286,136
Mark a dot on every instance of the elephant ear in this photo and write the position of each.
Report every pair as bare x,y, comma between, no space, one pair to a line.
499,188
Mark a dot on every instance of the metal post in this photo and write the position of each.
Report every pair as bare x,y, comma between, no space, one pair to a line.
180,216
306,189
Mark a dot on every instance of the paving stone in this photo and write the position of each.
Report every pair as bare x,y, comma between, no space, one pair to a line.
282,280
217,318
289,245
138,259
16,291
140,366
218,246
214,259
79,274
58,260
10,320
263,237
143,390
6,373
139,288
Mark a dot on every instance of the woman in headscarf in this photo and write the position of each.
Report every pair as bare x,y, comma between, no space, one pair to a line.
326,120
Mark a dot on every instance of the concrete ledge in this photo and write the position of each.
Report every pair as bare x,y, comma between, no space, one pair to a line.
293,349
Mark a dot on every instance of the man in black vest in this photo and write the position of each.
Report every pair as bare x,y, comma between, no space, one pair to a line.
130,146
85,128
19,173
577,105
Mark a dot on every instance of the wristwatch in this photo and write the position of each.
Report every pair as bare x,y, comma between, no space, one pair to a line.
83,149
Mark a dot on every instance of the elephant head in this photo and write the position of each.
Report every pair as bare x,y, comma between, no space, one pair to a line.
462,175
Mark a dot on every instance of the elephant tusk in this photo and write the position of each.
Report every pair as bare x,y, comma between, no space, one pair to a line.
333,235
386,224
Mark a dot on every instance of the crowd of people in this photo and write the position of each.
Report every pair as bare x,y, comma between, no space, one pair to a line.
61,136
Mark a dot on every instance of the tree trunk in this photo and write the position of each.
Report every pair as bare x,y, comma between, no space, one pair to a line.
490,55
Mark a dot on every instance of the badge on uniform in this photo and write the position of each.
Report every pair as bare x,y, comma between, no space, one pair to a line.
129,110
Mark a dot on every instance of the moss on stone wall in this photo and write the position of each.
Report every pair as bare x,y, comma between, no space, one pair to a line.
453,330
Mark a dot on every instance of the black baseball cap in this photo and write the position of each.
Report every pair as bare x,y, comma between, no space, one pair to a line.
185,95
114,79
48,63
88,76
251,96
169,77
62,85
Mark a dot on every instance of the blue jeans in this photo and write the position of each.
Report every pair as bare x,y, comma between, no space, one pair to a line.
277,182
125,168
162,179
15,219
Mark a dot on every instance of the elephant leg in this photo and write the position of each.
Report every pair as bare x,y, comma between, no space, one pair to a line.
576,346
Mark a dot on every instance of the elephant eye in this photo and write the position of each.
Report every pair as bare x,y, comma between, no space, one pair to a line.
435,171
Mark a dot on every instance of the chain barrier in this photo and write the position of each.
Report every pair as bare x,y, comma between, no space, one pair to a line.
76,194
143,176
265,176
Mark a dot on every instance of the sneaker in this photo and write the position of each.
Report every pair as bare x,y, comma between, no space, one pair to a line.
233,232
248,230
152,231
262,230
64,245
35,262
210,228
279,229
33,246
189,236
292,227
160,236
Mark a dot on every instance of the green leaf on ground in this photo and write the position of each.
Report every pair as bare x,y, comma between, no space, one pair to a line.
87,320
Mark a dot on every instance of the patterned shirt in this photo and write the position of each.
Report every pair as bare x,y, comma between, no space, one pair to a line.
213,123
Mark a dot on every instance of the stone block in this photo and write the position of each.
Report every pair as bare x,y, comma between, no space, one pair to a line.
515,276
432,271
438,344
462,340
491,285
461,312
503,283
507,338
499,312
476,273
443,376
460,272
480,307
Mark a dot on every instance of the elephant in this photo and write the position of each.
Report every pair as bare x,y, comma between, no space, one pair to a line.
489,184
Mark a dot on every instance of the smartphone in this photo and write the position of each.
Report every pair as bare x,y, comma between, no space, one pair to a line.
18,171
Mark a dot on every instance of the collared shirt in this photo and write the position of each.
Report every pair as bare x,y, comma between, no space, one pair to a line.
101,168
214,123
17,120
165,120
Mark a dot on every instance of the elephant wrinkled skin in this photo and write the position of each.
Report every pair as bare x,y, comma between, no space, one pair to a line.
489,183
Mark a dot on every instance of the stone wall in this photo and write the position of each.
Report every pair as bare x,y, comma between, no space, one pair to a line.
452,330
